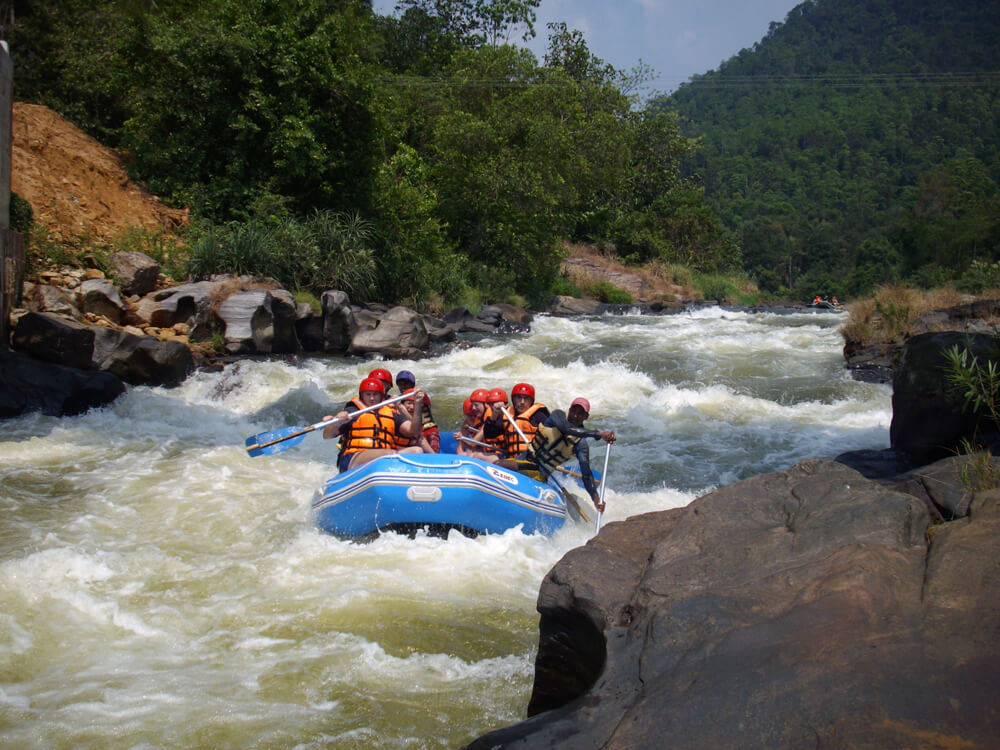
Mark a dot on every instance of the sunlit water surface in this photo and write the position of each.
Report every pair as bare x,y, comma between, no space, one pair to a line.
158,588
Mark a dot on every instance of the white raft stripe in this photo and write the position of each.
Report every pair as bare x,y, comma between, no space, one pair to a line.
449,481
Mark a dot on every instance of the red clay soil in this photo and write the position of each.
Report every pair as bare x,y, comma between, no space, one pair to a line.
77,188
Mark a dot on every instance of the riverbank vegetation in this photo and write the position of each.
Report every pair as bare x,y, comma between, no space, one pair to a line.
426,158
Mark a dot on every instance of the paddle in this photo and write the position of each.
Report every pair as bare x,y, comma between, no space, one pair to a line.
276,441
481,444
604,476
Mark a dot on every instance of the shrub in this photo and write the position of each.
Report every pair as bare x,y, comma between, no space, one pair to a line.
979,276
605,291
22,218
325,251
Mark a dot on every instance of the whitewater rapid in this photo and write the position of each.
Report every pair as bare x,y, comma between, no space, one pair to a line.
158,588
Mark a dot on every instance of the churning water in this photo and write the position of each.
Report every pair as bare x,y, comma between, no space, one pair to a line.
158,588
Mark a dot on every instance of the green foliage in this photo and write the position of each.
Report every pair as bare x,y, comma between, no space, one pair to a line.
233,99
717,287
22,218
564,287
605,291
978,471
417,257
825,135
977,383
931,276
477,22
979,276
450,165
308,298
325,251
43,252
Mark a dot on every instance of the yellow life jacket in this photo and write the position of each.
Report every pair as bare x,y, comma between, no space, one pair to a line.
373,429
551,448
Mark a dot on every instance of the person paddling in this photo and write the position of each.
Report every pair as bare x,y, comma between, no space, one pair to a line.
513,438
372,434
561,437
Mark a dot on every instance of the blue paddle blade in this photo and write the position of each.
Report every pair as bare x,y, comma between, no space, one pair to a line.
275,441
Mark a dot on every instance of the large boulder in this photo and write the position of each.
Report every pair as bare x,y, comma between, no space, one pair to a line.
28,384
563,305
339,324
141,360
190,304
308,327
284,310
54,338
249,322
928,418
136,272
100,297
806,608
51,299
400,333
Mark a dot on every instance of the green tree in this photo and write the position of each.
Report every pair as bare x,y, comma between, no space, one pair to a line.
234,99
478,22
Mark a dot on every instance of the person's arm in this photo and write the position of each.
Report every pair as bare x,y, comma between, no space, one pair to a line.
412,426
582,452
341,418
558,420
539,416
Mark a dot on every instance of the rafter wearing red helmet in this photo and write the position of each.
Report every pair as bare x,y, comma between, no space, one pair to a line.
371,434
527,415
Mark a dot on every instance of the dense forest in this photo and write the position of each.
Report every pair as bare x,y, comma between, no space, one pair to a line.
857,143
428,158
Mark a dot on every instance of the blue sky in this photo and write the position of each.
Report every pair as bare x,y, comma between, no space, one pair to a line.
677,38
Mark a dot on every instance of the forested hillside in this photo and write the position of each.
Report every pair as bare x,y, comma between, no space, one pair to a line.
857,143
423,158
428,158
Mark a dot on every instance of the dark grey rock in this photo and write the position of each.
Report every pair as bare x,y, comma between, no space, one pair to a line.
804,608
28,384
141,360
100,297
928,420
54,338
51,299
400,333
136,272
563,305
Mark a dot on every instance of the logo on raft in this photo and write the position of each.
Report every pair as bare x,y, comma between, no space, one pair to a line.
503,476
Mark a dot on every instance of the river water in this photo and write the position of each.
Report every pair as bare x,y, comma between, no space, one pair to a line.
159,588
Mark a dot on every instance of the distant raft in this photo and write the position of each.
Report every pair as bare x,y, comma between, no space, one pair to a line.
406,492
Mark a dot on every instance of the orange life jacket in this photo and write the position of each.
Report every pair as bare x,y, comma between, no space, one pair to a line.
373,429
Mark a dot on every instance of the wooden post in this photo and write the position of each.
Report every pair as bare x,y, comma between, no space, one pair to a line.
10,274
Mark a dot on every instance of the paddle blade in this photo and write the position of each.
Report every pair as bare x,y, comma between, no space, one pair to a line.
275,441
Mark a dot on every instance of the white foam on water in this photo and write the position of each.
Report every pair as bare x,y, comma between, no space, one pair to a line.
159,587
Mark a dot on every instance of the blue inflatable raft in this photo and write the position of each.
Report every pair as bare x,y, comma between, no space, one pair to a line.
436,491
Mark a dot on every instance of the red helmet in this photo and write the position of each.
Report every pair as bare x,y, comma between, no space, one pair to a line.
467,409
384,375
481,395
523,389
372,384
497,394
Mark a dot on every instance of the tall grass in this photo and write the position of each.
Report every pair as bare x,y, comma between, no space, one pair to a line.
327,250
